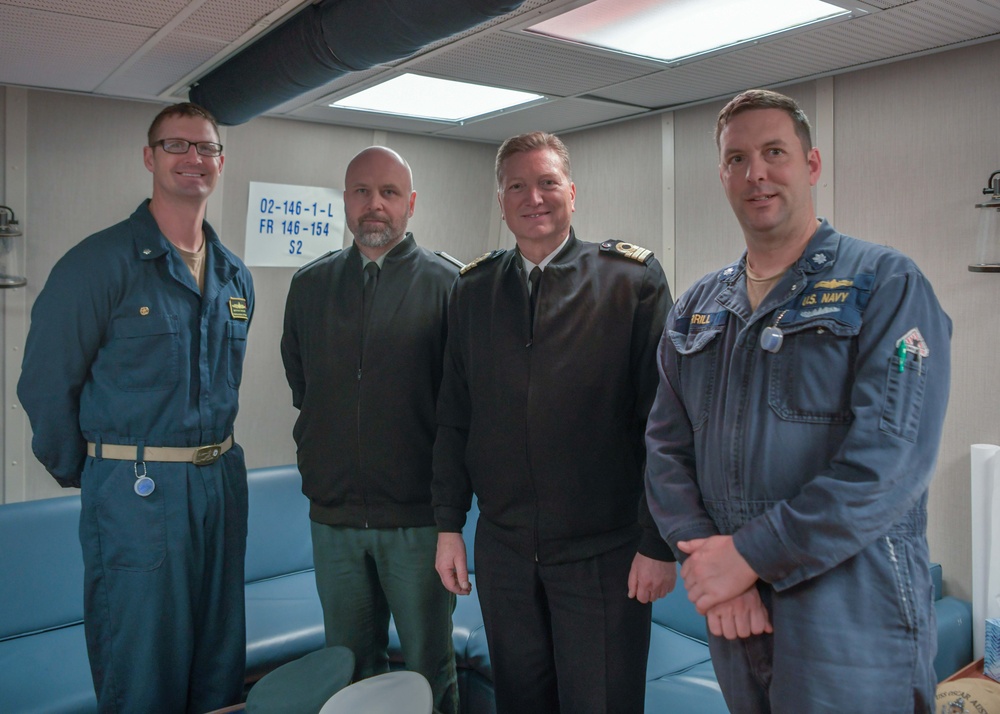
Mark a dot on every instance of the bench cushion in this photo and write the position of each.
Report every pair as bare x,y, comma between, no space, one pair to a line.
47,672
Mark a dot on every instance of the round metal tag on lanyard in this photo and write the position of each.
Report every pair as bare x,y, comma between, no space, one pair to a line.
144,485
771,338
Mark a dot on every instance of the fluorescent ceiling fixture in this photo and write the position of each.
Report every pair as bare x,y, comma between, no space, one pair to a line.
413,95
671,29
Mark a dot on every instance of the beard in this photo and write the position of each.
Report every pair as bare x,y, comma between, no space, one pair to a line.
376,237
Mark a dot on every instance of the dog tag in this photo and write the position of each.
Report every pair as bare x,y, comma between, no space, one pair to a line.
144,486
771,339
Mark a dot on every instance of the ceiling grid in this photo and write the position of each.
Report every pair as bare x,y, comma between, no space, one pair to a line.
226,21
125,12
140,49
156,70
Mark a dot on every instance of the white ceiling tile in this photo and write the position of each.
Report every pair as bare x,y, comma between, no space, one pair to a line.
45,49
152,13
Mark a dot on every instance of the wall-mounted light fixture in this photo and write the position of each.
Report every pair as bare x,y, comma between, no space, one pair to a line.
988,243
11,251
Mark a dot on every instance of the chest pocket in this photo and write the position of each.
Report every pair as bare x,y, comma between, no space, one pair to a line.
697,363
811,376
146,353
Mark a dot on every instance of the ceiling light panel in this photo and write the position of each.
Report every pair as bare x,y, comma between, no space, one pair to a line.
423,97
900,32
671,30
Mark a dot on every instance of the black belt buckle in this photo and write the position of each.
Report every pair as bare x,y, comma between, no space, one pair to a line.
207,455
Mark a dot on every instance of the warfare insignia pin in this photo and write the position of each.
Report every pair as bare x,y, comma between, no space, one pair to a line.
833,284
238,308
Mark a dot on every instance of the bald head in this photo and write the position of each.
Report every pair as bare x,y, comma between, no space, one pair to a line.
381,156
378,199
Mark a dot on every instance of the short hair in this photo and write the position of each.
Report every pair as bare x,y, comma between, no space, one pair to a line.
531,141
184,109
765,99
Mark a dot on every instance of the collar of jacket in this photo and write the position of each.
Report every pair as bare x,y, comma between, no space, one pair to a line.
150,243
820,253
399,252
566,255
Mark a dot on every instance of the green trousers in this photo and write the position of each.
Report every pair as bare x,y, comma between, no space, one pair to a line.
363,575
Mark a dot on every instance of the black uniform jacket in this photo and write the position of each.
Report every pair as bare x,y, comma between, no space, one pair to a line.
366,425
548,428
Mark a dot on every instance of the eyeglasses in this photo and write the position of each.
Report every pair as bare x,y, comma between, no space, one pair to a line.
181,146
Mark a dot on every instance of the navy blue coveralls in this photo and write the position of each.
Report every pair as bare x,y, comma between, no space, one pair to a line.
816,456
124,349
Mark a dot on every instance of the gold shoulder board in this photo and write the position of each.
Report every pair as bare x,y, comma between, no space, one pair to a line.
628,250
484,258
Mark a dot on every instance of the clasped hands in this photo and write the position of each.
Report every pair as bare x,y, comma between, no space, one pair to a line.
722,586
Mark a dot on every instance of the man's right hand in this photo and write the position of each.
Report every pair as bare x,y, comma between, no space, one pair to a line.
451,563
743,616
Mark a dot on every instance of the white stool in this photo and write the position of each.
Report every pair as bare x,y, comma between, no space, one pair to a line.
398,692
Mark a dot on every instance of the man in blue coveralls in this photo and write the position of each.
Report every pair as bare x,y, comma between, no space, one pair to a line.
130,378
793,438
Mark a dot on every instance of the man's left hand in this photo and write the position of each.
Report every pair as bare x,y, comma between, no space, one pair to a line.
649,579
714,571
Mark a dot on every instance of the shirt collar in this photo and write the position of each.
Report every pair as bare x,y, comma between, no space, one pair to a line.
528,265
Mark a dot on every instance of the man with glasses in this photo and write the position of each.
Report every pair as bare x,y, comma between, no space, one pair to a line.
130,379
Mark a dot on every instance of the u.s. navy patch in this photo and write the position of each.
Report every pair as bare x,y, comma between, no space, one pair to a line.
238,308
627,250
484,258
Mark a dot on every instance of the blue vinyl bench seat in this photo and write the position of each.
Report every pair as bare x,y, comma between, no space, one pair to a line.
43,656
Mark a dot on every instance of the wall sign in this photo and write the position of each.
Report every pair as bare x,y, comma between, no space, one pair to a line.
287,226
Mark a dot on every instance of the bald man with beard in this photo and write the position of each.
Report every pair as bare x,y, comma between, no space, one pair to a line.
363,346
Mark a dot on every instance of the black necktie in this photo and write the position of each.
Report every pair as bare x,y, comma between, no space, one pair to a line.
535,278
371,282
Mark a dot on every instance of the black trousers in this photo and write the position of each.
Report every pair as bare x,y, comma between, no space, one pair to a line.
563,638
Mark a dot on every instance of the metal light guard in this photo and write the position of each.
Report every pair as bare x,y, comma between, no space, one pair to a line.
988,243
11,251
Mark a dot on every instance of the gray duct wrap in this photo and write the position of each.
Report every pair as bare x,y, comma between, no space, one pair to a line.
330,39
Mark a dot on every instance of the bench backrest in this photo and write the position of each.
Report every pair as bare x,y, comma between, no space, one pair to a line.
279,540
41,566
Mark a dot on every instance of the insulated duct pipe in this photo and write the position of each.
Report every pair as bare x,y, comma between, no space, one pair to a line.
327,40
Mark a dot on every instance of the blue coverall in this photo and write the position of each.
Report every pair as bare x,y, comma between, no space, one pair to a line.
816,456
124,349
